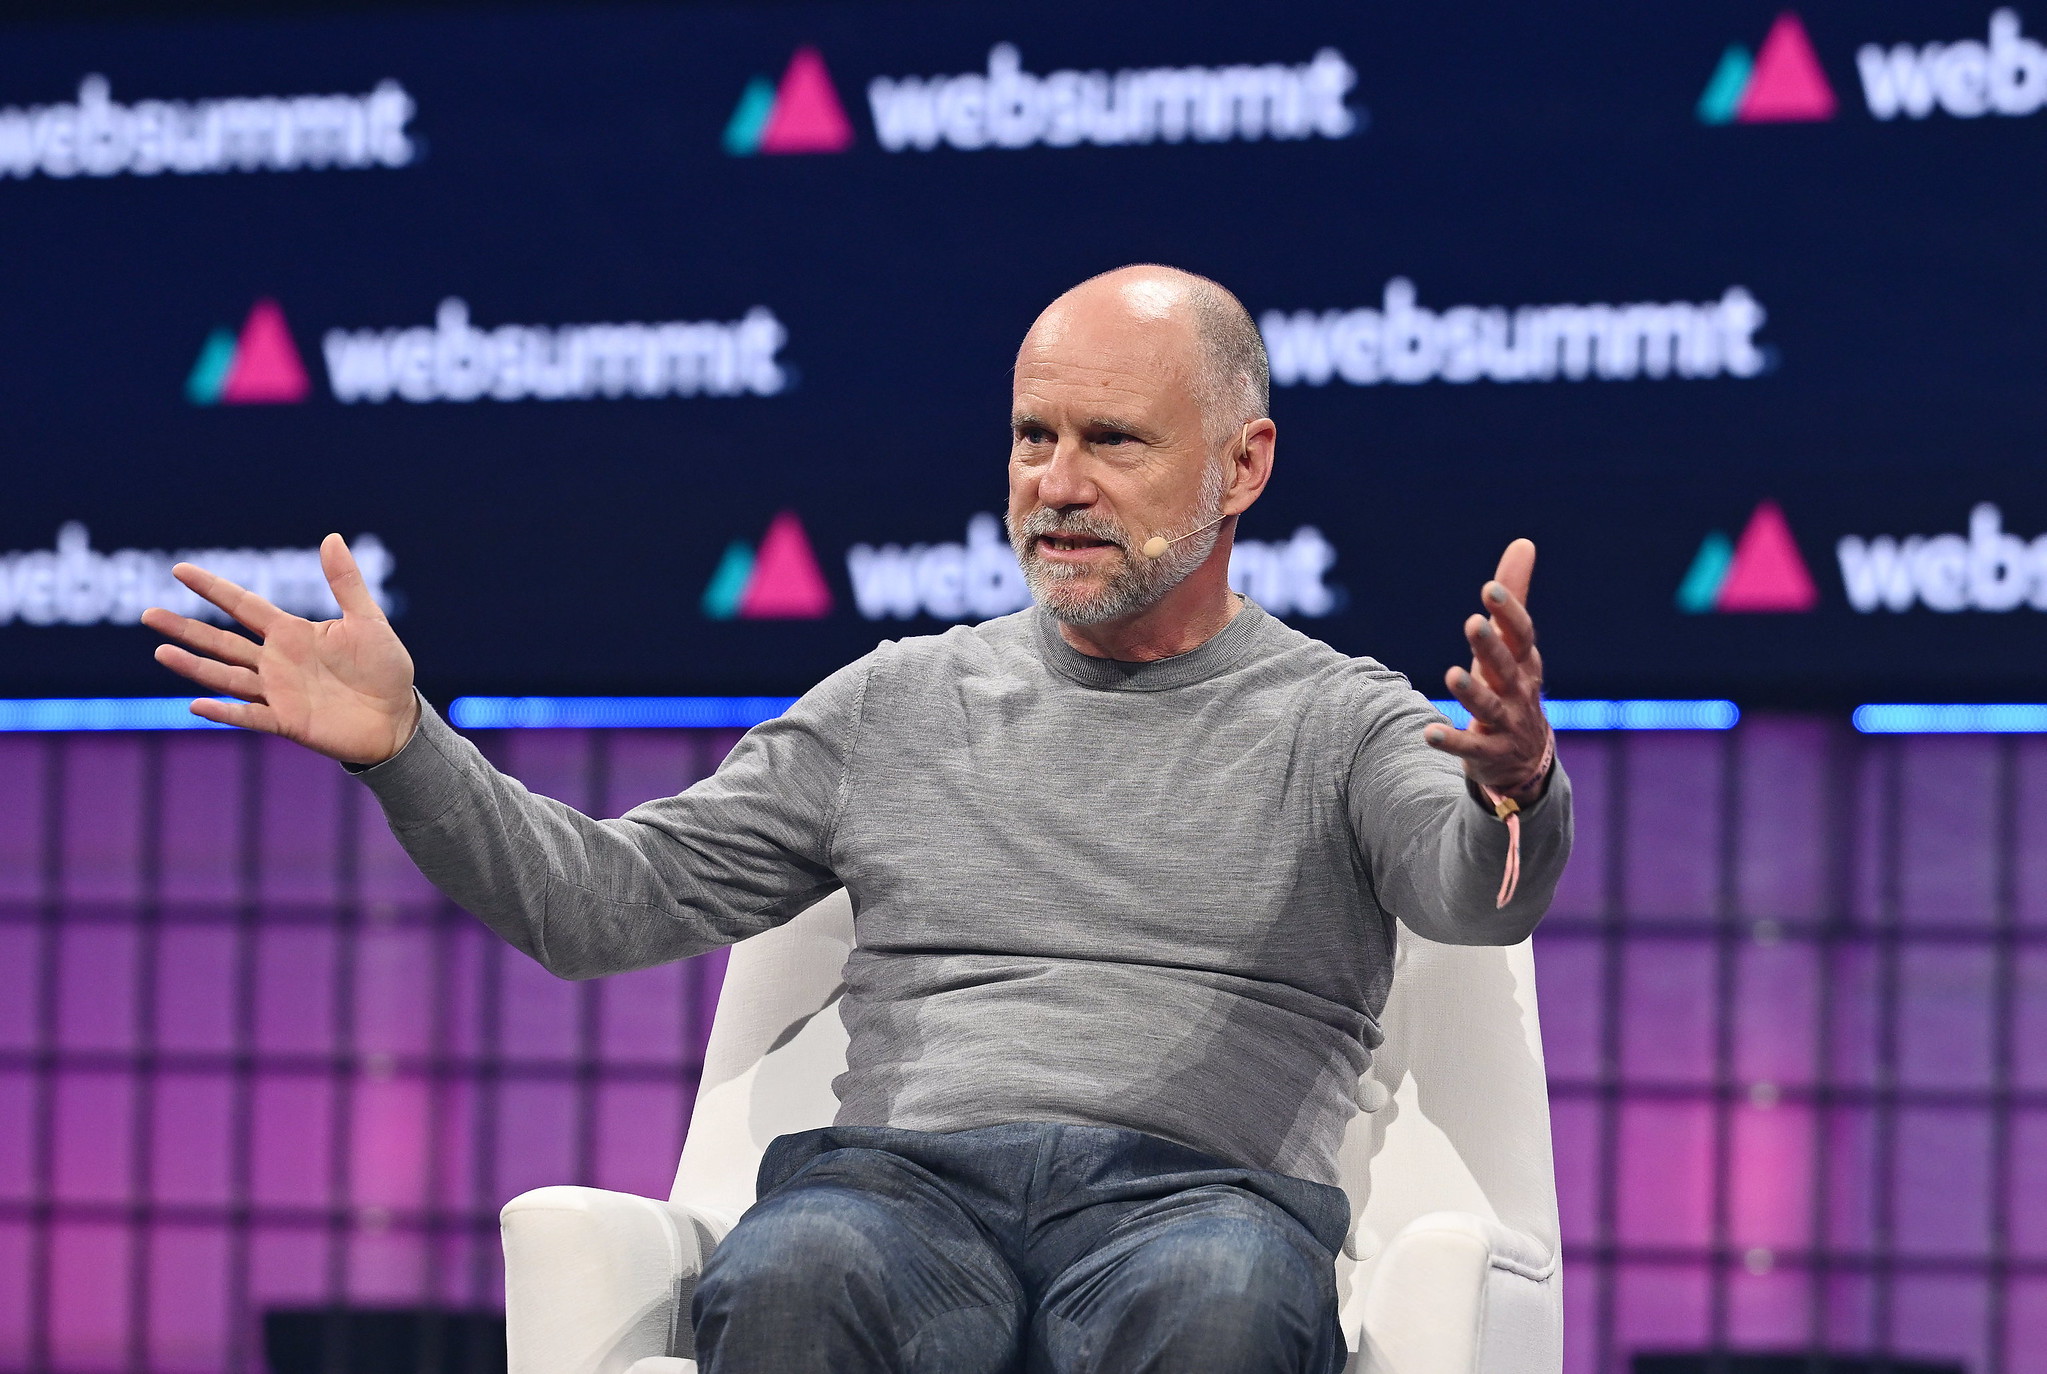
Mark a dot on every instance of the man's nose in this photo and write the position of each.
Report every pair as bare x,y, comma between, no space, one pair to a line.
1066,480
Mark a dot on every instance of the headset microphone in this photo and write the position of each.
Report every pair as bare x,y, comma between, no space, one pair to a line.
1156,546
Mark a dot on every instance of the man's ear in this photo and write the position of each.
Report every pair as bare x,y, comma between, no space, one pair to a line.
1250,462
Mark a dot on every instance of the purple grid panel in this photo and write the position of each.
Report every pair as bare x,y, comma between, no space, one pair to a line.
385,877
1776,1030
102,818
88,1295
194,1137
1853,1022
1851,1155
1672,828
1570,973
195,989
395,990
202,816
542,1016
639,1136
1782,811
299,825
1582,1285
391,1139
1941,1181
1768,1311
95,1120
2026,1315
645,1017
22,772
1875,774
1582,893
14,1294
1771,1177
188,1287
2027,1204
2030,876
96,985
1666,1165
1574,1133
1669,984
1949,829
2029,1029
291,1127
1944,1317
287,1267
536,1137
1944,1003
21,992
1850,1312
17,1136
386,1266
1661,1307
295,987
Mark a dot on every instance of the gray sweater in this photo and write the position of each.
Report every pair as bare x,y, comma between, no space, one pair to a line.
1157,896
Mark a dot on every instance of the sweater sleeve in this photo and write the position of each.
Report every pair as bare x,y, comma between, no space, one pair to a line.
739,852
1435,850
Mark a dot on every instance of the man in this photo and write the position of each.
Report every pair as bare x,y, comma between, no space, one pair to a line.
1125,868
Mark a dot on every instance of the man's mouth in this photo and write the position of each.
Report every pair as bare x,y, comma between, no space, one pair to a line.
1071,544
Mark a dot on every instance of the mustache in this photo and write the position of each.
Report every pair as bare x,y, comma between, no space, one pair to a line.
1045,520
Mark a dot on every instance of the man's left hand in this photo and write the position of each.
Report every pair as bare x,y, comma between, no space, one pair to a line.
1507,745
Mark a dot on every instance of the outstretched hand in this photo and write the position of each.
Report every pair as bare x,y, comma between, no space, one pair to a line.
340,687
1507,745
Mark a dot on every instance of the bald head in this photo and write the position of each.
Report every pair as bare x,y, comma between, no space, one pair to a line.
1187,323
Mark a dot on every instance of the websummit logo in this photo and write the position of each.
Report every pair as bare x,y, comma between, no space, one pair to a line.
1782,83
802,115
260,367
1763,571
780,582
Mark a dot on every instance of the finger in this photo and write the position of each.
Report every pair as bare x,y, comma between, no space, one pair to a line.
1517,565
213,676
239,713
1476,697
206,639
346,579
1510,618
1502,671
1465,744
239,602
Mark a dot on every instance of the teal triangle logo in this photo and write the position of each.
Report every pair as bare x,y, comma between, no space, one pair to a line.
1700,590
750,118
728,582
1721,100
209,373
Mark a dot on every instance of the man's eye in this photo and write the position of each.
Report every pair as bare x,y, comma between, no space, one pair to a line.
1112,439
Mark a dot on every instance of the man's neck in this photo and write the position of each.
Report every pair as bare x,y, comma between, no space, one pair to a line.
1180,622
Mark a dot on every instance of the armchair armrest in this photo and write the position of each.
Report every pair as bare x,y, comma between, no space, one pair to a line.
595,1281
1455,1293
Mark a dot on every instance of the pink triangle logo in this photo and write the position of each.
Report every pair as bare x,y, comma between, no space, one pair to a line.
1767,573
785,583
1787,85
266,369
807,116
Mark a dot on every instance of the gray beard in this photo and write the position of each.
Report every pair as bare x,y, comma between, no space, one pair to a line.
1135,583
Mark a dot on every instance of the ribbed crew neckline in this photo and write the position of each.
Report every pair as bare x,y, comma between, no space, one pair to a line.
1233,644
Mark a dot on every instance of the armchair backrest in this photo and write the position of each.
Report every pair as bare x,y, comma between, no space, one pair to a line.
1458,1119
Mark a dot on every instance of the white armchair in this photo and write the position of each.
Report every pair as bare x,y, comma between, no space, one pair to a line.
1452,1266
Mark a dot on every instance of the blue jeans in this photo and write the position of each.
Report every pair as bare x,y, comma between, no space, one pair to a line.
1033,1247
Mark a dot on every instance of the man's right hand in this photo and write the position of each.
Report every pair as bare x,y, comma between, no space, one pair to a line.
341,687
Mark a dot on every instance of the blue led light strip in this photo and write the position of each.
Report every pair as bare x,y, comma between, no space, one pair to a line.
1623,715
1900,718
613,713
102,713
